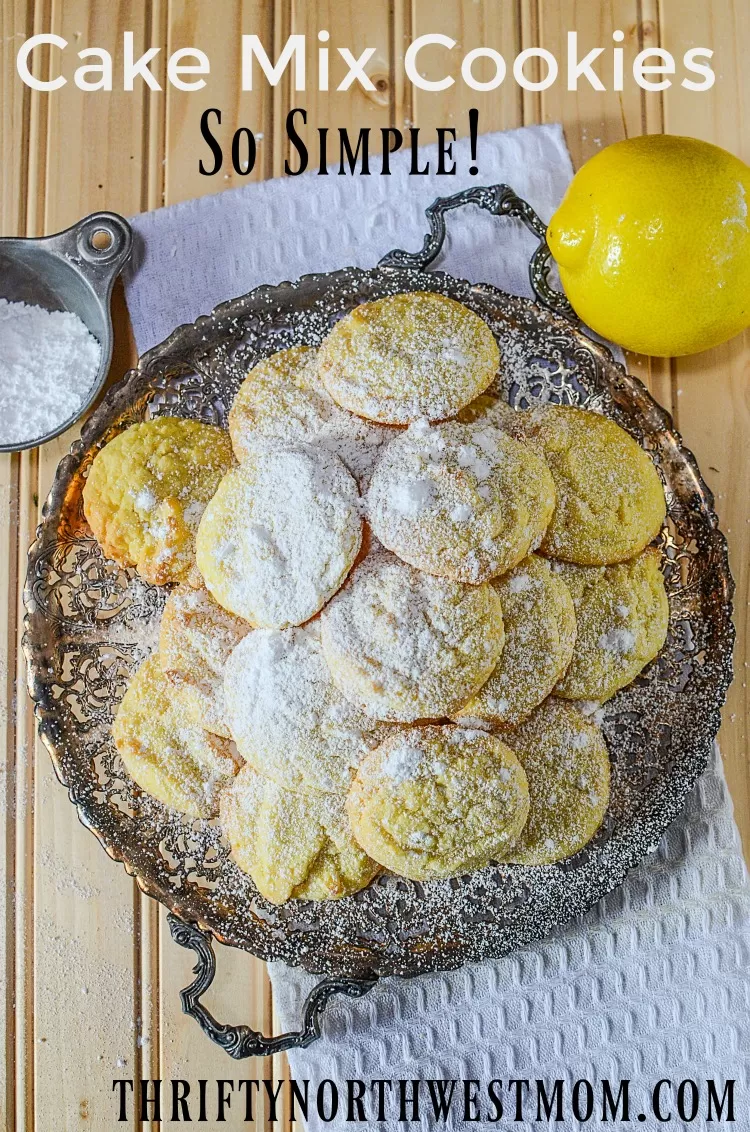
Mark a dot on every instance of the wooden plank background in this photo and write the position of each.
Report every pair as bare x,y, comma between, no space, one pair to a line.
91,976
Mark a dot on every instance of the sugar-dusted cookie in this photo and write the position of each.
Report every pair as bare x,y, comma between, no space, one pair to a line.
295,845
567,767
540,632
288,718
164,751
610,499
491,408
280,534
465,501
408,356
438,801
404,645
622,615
195,638
283,398
146,491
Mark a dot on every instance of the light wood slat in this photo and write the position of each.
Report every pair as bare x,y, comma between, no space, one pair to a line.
30,217
354,26
15,26
196,25
94,156
280,100
592,119
85,977
241,994
402,109
713,412
23,798
20,842
481,24
9,469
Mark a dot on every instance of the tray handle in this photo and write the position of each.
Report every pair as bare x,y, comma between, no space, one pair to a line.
240,1041
500,200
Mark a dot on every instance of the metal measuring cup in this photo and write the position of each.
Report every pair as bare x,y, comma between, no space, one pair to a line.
75,271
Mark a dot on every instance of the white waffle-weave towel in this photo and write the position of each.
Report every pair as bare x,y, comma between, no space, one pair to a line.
654,982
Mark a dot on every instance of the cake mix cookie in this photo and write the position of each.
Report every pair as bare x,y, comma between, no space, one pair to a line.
283,398
280,534
540,632
567,767
288,718
404,645
408,356
195,638
166,753
466,501
438,801
490,408
622,615
610,499
146,491
295,845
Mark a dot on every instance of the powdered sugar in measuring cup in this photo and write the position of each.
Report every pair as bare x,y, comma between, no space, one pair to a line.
49,362
55,325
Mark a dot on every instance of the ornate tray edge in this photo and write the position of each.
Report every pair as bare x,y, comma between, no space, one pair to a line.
630,858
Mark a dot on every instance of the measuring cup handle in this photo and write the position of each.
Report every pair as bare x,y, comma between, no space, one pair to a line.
99,245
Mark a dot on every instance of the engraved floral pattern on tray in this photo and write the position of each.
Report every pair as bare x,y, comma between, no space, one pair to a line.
90,623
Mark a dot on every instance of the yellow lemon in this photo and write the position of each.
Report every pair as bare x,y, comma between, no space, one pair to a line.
653,244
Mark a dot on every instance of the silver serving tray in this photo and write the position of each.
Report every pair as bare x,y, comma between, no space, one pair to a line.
85,635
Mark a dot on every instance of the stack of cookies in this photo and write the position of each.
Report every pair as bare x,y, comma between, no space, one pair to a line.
395,607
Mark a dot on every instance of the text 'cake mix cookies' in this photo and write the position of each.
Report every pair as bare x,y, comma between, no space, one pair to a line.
438,801
295,845
283,398
622,615
462,501
540,632
408,356
146,492
287,715
610,499
567,768
404,645
280,534
165,752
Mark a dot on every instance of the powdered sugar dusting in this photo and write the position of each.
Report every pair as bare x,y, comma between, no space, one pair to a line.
407,645
280,535
49,362
411,497
408,356
461,500
617,640
287,716
402,763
